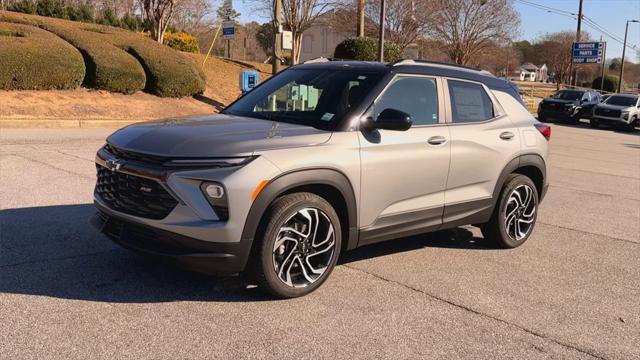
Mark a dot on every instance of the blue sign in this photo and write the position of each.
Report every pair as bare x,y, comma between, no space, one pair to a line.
587,53
228,30
248,80
588,46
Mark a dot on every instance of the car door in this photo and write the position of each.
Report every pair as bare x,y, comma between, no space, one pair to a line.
404,173
483,141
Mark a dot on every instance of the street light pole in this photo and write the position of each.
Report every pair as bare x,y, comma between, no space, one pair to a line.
381,34
624,47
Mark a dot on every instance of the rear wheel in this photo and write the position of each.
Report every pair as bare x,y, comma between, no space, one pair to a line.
514,216
300,245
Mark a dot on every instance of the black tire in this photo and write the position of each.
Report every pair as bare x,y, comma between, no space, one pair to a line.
594,124
632,125
496,231
281,212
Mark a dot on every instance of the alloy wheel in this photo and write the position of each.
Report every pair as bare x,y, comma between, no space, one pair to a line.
304,247
520,212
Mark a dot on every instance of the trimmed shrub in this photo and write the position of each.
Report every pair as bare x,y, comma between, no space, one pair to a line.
366,49
610,83
182,41
169,73
108,67
119,60
32,58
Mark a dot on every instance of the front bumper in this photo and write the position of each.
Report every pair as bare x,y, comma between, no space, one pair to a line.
196,255
560,114
611,120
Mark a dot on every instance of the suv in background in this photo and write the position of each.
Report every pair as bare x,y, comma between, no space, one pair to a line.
569,105
322,158
618,110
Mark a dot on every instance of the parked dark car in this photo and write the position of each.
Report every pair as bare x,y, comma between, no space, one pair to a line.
569,105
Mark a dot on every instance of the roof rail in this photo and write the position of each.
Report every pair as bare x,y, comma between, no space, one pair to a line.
320,59
429,62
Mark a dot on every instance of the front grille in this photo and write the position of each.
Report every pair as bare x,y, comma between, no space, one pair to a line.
131,155
607,112
134,195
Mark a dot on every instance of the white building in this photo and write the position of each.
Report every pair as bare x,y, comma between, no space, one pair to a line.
531,72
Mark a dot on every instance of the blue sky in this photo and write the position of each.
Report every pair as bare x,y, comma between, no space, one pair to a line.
609,14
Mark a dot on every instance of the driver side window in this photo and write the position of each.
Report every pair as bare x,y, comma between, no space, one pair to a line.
416,96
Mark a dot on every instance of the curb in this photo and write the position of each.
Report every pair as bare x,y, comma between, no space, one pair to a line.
58,123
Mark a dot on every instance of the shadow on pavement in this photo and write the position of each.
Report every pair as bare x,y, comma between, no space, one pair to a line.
54,251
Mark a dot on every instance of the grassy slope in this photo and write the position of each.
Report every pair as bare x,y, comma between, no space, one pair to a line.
222,88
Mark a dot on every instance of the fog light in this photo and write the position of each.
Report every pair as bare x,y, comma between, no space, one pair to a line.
217,197
214,191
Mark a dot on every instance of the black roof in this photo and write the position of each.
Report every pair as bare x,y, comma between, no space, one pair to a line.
417,67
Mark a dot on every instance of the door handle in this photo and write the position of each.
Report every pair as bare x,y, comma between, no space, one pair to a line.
437,140
507,135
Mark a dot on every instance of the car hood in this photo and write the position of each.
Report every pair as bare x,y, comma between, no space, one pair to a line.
615,107
560,101
214,136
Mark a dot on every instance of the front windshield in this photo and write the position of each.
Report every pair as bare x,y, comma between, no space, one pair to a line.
313,97
568,95
622,100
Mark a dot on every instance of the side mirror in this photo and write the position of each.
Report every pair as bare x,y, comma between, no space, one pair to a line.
391,119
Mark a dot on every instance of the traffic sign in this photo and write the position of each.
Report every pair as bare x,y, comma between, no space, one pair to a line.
228,30
588,52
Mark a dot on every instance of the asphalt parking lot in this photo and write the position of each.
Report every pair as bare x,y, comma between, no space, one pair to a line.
573,291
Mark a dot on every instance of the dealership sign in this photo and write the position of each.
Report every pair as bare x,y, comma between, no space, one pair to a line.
588,52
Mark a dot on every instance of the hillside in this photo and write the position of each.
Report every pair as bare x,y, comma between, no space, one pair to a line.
91,108
69,71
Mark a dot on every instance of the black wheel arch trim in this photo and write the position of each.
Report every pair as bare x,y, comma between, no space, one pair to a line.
296,178
520,161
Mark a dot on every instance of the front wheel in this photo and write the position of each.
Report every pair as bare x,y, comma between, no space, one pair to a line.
300,245
515,214
594,124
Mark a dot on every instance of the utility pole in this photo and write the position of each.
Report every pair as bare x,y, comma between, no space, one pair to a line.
572,73
275,59
604,59
381,33
624,47
360,27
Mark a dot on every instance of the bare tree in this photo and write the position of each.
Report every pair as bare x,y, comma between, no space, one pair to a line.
360,5
405,20
193,16
554,49
300,15
465,27
159,13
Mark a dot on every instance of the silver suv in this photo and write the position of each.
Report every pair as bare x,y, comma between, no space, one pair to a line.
618,109
323,158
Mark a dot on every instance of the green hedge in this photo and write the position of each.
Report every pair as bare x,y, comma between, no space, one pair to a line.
366,49
169,73
610,83
108,67
34,59
124,61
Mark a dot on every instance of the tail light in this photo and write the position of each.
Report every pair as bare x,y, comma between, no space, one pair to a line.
545,130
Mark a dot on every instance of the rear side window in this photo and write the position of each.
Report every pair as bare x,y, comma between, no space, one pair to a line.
469,102
414,95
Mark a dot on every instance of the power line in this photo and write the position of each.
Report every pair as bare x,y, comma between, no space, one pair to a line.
589,22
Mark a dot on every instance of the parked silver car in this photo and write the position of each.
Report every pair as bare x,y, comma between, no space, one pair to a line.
323,158
617,110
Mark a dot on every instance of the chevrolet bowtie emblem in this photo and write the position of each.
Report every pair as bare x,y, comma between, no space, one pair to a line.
114,164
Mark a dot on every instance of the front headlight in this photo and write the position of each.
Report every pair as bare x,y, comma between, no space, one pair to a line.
210,162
